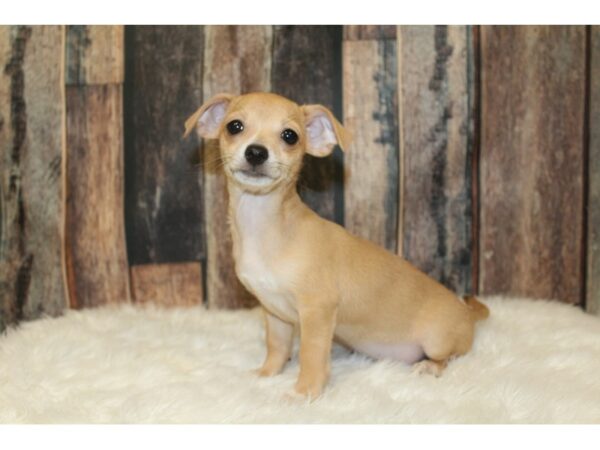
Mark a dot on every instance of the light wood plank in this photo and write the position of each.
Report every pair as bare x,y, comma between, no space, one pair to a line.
31,190
237,59
533,96
94,54
95,234
371,163
172,284
436,146
593,227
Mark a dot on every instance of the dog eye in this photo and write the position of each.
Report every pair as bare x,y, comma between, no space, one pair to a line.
289,136
235,127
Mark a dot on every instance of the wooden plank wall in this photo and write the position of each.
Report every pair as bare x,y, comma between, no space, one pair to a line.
475,156
532,161
32,142
163,179
95,252
593,200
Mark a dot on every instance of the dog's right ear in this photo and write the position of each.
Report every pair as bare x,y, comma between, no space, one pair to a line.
207,120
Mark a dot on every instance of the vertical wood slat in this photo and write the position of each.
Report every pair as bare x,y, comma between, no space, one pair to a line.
436,121
96,256
593,226
237,59
172,284
163,177
533,88
295,49
31,191
94,54
369,32
95,250
371,163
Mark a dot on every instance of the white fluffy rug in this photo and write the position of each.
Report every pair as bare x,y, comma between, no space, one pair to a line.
532,362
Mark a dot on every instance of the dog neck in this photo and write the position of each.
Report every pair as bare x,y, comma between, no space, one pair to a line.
260,218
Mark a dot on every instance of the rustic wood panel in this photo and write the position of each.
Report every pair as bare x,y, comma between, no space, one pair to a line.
593,226
369,32
533,88
173,284
436,135
31,191
163,177
95,231
94,54
237,60
371,164
296,48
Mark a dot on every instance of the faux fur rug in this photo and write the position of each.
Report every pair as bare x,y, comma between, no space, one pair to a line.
532,362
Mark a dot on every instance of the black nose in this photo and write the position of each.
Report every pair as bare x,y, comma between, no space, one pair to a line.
256,154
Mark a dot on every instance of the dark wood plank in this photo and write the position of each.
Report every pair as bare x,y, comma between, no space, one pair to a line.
369,32
237,60
371,163
593,226
436,135
296,48
31,192
163,177
533,89
173,284
94,54
95,233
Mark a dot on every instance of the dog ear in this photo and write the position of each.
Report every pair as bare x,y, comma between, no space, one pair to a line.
207,119
323,131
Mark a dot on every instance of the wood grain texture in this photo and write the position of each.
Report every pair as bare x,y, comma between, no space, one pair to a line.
163,179
369,32
95,235
593,226
371,163
173,284
436,134
94,54
31,191
533,88
237,60
295,48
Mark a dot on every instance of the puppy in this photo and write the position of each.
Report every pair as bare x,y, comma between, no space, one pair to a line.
310,272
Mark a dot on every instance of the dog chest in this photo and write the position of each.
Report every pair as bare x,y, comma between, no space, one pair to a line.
266,285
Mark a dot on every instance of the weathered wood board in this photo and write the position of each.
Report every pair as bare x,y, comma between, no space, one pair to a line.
172,284
371,163
97,267
94,54
532,156
593,226
306,68
237,59
436,121
163,175
31,190
369,32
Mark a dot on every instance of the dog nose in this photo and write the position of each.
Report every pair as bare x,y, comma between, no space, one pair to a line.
256,154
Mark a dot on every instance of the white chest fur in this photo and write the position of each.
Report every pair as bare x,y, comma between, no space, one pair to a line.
256,250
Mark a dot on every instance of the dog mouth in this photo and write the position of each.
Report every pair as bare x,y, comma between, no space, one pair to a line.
252,173
253,177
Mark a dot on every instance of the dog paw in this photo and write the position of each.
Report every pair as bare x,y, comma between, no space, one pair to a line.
428,367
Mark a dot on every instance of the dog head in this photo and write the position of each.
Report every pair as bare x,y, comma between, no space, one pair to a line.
263,137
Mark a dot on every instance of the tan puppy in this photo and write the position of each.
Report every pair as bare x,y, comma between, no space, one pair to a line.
306,270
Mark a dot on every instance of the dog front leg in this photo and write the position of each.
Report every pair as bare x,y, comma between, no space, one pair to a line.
317,323
279,345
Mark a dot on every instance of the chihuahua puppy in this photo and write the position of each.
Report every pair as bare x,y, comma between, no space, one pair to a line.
310,272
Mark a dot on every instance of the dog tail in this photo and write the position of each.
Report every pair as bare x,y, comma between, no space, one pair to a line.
478,310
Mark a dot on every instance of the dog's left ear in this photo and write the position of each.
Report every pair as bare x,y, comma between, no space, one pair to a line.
207,119
323,131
